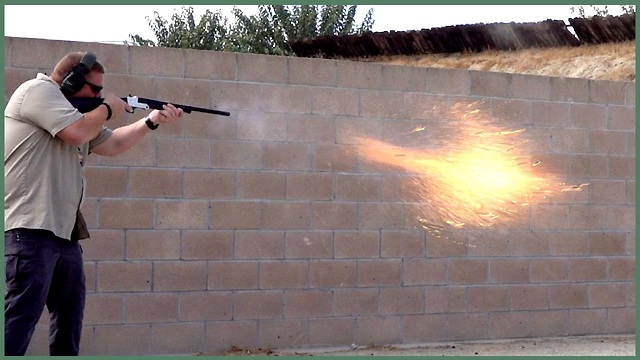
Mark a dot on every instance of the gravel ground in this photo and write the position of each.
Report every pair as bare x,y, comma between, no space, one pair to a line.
617,345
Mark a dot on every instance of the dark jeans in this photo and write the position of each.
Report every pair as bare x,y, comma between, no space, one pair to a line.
42,269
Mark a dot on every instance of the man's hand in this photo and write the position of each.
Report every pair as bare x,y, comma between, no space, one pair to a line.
118,106
169,114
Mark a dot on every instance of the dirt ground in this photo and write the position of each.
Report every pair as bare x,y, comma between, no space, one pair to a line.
614,345
612,61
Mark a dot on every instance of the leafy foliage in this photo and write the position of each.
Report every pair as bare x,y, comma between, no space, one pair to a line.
210,33
268,32
600,11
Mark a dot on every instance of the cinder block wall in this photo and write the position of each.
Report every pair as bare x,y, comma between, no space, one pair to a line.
266,230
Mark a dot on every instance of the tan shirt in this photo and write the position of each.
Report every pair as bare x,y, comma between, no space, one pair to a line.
44,182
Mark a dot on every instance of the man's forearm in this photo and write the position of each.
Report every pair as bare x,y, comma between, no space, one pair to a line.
93,122
85,129
123,139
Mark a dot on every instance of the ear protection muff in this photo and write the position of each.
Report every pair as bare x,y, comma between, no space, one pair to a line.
74,80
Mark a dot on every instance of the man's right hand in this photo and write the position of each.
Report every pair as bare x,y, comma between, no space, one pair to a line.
118,106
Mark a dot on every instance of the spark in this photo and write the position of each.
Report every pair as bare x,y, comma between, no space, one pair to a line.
472,172
510,132
575,187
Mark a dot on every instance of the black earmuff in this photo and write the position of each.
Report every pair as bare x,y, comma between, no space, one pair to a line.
74,80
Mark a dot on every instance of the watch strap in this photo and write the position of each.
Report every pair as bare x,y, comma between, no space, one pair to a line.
109,111
150,124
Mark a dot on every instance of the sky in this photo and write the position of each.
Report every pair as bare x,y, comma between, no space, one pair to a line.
114,23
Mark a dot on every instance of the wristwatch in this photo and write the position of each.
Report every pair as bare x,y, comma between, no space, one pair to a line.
150,124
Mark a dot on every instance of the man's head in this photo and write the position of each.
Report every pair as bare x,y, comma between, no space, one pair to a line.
79,75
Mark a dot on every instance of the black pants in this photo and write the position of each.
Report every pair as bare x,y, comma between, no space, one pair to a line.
42,269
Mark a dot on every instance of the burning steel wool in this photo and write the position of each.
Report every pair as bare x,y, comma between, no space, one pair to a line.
467,172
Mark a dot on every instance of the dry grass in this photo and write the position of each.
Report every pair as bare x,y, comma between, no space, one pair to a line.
613,61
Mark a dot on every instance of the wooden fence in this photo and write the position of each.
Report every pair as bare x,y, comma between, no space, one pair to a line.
471,38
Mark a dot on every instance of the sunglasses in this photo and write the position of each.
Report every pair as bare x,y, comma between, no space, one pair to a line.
95,88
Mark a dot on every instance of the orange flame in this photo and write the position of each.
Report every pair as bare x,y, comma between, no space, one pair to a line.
478,176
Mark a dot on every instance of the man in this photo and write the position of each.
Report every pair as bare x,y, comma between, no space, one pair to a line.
46,141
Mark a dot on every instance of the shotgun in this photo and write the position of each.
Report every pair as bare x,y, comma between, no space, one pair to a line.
87,104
